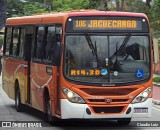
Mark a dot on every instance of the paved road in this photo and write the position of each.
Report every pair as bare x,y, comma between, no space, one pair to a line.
8,113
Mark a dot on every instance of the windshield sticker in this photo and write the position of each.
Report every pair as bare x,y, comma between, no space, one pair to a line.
115,73
139,73
104,72
85,72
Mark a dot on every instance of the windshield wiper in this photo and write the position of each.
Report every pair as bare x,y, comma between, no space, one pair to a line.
92,47
122,47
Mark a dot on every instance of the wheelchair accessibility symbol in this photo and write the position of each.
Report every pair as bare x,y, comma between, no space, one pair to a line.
139,74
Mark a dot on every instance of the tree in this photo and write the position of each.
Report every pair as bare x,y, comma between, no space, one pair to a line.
137,6
3,4
15,8
39,1
66,5
36,8
155,21
148,3
29,7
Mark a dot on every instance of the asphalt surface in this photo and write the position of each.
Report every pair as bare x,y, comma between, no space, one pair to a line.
8,114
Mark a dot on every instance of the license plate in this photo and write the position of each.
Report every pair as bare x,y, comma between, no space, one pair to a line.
141,110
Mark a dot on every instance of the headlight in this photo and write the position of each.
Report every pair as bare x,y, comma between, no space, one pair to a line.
143,96
72,96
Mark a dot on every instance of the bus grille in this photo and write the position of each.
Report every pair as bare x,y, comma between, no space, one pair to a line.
105,110
108,92
103,100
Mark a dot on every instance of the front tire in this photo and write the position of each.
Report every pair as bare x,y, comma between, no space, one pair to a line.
49,118
124,121
48,111
18,104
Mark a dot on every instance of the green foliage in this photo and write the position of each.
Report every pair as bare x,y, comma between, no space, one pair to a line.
35,8
137,6
19,8
39,1
66,5
155,17
93,4
15,8
29,7
156,79
61,5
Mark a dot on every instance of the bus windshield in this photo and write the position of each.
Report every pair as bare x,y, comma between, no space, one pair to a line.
95,58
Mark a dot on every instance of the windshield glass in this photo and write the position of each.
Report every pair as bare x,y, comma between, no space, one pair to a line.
106,59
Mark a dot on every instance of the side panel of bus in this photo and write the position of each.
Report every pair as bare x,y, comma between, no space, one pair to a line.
14,64
43,68
18,72
41,78
30,64
6,74
6,62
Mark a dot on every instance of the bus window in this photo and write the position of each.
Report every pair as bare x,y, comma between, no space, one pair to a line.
80,56
58,44
52,46
8,40
58,33
133,56
49,43
15,42
21,43
40,43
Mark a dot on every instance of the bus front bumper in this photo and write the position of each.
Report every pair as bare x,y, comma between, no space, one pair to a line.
78,111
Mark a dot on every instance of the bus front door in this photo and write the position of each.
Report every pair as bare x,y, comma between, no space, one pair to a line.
28,38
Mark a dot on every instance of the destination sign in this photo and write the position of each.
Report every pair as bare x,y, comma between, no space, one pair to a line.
106,24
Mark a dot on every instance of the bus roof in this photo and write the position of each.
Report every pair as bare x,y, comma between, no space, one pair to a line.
59,17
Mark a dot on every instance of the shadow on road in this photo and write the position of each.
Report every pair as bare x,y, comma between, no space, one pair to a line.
31,111
74,123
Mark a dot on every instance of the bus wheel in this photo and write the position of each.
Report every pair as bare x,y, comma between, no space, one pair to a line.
49,117
124,121
18,104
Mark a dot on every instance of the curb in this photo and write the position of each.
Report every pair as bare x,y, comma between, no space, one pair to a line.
156,102
156,106
156,84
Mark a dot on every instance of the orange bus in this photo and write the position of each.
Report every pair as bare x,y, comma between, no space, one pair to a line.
80,64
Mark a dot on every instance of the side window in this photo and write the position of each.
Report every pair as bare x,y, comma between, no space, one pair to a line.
48,44
57,45
21,43
53,44
29,37
14,45
8,40
39,43
51,39
58,33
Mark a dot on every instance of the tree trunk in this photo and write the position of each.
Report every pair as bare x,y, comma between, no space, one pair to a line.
148,3
117,5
